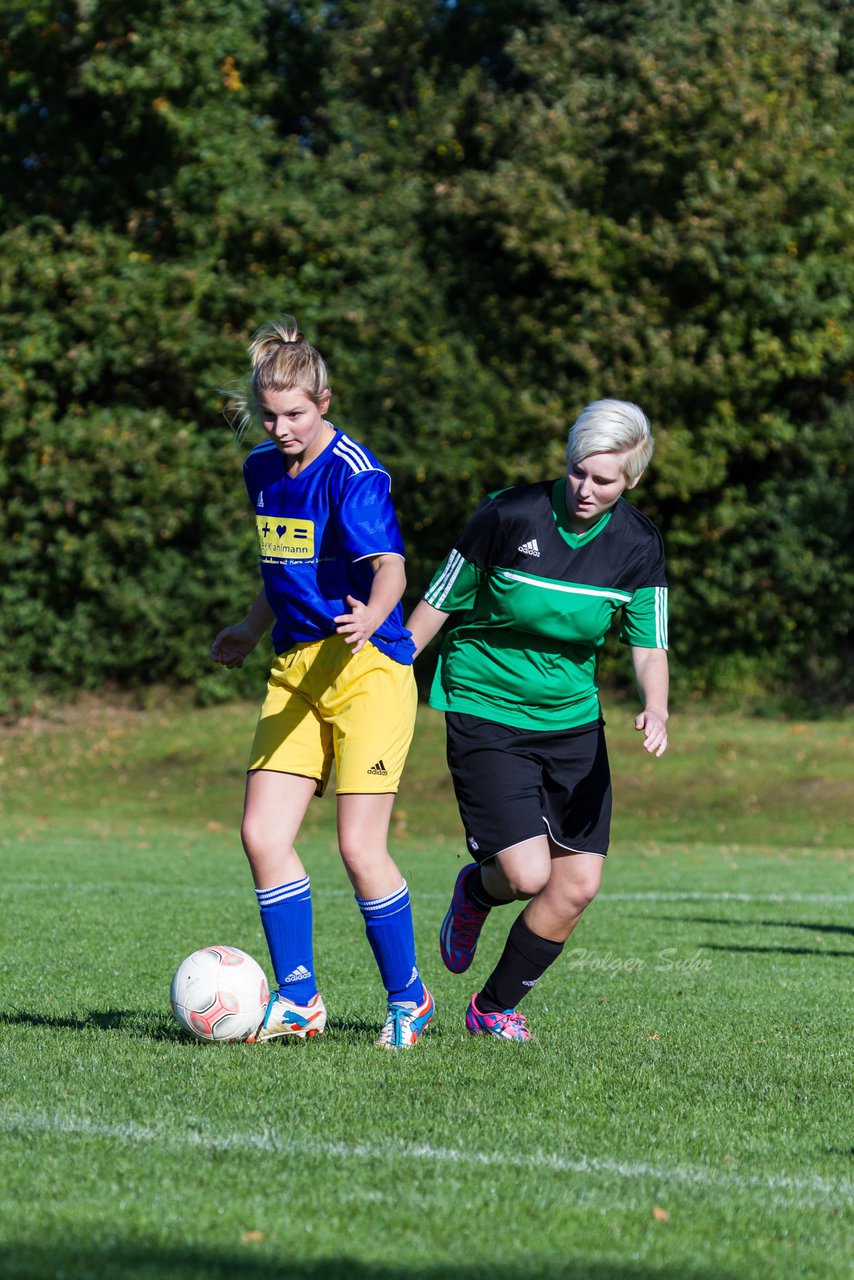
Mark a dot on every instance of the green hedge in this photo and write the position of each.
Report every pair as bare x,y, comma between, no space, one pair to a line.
485,216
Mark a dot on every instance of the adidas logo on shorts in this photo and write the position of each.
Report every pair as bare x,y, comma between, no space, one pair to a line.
379,769
529,548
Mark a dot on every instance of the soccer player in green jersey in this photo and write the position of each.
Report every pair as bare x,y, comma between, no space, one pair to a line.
536,579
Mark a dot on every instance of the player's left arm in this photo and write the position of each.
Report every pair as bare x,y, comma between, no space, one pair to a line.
366,617
652,676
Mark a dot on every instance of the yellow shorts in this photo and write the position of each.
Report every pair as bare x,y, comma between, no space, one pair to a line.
326,703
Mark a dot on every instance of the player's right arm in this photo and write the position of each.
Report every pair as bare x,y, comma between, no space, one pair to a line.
425,622
457,581
234,644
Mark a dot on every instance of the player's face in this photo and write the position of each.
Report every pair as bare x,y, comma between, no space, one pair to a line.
593,485
295,423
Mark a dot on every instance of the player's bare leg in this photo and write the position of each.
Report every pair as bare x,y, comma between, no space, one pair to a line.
363,824
273,812
518,872
572,885
274,809
535,941
383,898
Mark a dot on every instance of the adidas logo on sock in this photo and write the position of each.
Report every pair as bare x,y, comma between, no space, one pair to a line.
379,769
529,548
299,974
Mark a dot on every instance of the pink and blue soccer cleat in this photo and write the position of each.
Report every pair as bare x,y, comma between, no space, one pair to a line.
284,1018
461,927
508,1025
405,1024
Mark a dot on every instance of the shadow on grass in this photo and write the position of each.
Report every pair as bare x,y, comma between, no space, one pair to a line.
134,1261
145,1026
782,951
163,1027
767,924
814,927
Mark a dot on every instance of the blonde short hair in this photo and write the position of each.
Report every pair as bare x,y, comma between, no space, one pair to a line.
613,426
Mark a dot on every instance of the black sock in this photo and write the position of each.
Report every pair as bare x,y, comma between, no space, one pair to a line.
524,960
476,894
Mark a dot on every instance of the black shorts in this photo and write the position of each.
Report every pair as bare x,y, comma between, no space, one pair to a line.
513,784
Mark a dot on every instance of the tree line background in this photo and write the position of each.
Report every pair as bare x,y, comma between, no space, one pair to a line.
485,215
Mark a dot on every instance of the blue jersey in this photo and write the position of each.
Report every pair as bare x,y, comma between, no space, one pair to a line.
316,534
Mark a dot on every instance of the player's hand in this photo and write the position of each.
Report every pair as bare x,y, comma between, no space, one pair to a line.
233,645
358,626
654,731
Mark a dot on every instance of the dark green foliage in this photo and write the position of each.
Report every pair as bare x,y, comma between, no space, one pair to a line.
485,216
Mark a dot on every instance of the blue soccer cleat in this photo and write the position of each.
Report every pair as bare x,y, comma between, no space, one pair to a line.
461,927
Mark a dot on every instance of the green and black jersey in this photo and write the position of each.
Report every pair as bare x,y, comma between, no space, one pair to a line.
537,600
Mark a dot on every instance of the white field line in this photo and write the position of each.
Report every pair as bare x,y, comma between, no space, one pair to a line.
214,891
785,1189
690,896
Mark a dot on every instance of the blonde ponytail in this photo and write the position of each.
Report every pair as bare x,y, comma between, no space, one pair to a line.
281,359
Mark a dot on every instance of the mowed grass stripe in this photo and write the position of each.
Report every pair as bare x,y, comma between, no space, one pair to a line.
213,891
790,1190
193,840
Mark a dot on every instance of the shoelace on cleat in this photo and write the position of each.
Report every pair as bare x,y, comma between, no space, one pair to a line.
396,1024
512,1020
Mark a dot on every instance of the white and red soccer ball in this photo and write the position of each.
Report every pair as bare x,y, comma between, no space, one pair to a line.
219,993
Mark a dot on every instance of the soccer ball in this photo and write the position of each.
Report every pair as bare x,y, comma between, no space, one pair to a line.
219,993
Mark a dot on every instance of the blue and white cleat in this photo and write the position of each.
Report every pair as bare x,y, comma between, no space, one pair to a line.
405,1024
284,1018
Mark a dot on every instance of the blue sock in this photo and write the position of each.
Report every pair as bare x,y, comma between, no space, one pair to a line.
388,924
287,919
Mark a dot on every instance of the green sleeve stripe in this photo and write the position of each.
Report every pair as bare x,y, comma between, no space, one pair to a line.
661,617
601,593
443,583
645,619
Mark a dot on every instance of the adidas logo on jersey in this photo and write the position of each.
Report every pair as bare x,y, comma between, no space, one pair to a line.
529,548
379,769
299,974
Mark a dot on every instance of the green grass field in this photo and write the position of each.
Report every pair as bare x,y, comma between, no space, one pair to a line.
684,1113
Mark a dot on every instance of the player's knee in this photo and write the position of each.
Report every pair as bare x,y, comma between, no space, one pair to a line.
526,882
261,845
250,837
578,895
360,857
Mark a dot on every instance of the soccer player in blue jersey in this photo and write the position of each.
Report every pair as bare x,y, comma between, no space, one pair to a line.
341,686
536,579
